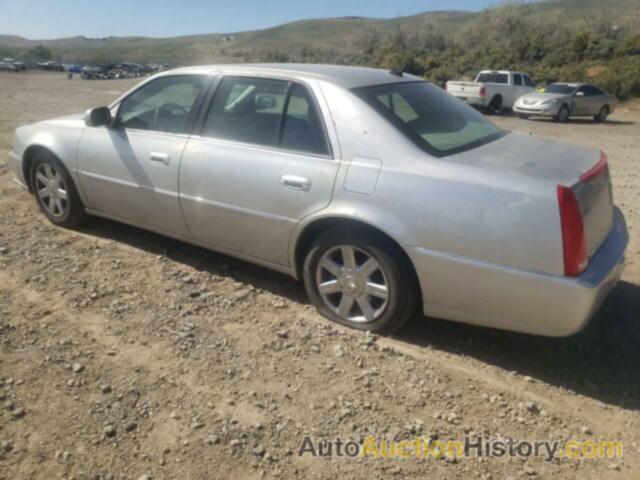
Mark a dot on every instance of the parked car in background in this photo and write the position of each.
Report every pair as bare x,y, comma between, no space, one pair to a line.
73,68
95,72
8,67
11,65
492,90
51,66
380,191
562,101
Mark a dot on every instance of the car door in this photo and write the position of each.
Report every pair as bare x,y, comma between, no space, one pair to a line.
129,170
596,99
261,163
581,101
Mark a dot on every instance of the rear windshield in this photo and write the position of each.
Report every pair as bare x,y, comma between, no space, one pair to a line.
559,88
493,78
434,120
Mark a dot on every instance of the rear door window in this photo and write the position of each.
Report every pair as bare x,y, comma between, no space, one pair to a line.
584,90
527,81
247,110
303,129
517,79
592,91
266,112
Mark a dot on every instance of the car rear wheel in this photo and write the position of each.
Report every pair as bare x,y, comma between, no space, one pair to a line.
563,114
356,278
496,104
55,191
602,115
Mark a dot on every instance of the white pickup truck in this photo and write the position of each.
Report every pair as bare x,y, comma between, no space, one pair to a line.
493,89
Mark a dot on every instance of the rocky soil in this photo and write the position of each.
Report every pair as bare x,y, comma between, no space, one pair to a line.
127,355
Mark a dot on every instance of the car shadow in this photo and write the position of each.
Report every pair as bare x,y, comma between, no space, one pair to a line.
600,362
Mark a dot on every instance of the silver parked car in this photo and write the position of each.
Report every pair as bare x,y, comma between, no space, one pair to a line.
381,191
562,101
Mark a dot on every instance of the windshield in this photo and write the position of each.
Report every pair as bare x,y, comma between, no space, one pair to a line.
431,118
493,77
559,88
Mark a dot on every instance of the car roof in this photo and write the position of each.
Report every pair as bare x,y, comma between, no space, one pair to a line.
341,75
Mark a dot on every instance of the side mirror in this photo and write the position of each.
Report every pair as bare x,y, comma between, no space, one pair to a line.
98,117
579,94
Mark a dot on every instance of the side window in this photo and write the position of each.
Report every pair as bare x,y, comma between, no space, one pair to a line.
266,112
517,79
302,128
162,105
247,110
527,81
592,91
583,89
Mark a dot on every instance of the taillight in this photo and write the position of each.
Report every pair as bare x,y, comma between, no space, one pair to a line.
598,168
573,240
483,92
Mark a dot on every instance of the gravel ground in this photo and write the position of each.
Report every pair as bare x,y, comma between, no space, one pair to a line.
124,354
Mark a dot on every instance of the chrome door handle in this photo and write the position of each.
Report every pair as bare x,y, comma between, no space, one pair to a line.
162,158
295,183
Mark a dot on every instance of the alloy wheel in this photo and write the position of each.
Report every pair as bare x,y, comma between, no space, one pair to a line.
563,116
352,284
51,190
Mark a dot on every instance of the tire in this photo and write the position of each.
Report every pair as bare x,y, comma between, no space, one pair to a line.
391,276
523,116
496,104
563,114
61,205
602,115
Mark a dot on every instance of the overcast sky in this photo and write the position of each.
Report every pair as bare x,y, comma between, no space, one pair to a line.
43,19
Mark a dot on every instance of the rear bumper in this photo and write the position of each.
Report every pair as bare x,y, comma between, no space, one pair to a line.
470,291
475,101
15,167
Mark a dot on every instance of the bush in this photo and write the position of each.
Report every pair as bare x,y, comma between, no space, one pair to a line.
621,78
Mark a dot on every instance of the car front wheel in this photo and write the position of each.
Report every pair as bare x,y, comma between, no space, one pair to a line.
55,191
563,114
358,279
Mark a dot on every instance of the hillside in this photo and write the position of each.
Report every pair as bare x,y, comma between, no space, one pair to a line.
332,35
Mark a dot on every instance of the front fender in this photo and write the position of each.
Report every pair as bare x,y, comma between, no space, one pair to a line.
60,140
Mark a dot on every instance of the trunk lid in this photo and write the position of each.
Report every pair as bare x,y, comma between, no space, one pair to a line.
582,169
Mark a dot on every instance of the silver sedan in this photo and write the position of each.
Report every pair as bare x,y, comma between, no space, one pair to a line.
562,101
382,192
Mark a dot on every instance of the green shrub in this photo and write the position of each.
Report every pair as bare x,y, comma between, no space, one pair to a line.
621,78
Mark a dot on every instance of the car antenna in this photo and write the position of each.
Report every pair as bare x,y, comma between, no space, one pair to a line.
398,73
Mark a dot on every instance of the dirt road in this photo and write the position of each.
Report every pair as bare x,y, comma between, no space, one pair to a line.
124,354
